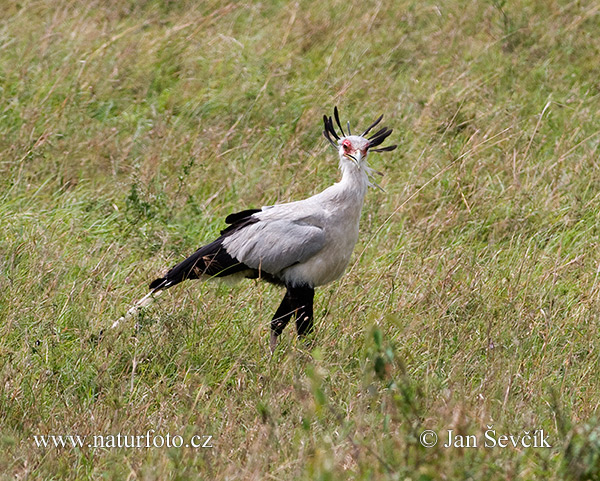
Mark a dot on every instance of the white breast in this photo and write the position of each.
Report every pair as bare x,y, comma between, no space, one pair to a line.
342,211
328,264
308,242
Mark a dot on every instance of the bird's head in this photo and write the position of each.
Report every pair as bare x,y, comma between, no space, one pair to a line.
355,148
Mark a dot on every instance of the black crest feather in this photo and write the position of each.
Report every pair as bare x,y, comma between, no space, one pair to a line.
376,139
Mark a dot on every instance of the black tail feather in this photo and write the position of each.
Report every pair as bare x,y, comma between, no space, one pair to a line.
157,284
211,260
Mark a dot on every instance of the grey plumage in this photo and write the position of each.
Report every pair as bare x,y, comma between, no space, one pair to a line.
277,241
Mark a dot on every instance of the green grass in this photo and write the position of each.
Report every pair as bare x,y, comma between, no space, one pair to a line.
128,130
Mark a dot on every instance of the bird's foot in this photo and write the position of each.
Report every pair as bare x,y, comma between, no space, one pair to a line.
273,342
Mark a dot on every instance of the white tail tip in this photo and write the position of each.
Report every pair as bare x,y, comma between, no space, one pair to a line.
143,302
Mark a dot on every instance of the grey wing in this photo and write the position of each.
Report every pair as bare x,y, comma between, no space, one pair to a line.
273,245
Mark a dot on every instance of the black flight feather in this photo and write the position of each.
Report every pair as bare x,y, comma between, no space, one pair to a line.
237,216
212,259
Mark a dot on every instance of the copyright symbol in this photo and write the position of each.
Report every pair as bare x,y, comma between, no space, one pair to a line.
428,438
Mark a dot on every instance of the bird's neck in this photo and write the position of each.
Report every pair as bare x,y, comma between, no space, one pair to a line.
354,179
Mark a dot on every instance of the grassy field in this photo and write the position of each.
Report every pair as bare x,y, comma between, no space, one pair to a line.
129,130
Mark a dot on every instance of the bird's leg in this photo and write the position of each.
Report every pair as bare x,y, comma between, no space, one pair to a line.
273,340
298,301
304,297
281,318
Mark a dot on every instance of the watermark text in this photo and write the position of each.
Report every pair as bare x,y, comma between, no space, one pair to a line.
537,438
150,439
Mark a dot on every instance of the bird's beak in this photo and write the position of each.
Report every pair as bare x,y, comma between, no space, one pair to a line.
355,158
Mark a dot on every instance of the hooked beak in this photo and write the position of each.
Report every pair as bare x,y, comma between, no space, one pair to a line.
356,158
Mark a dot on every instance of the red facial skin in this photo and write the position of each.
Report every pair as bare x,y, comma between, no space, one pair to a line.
348,148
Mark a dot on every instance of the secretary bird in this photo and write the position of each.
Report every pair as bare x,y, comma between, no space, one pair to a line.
300,245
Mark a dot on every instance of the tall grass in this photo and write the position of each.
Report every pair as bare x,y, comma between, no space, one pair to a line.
128,130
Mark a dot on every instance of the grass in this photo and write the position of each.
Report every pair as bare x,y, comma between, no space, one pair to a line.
128,130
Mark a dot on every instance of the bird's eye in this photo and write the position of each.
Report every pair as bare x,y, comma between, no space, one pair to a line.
346,145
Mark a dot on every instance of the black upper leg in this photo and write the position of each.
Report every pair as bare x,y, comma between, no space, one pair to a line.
282,315
297,301
304,313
